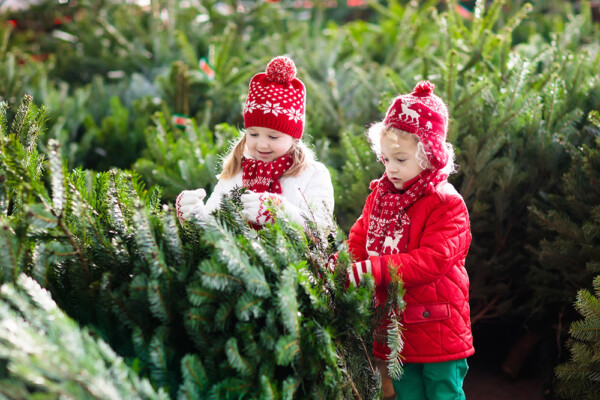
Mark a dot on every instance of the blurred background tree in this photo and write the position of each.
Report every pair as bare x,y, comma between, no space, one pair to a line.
520,80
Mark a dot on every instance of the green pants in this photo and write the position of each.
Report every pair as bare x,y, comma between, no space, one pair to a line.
434,381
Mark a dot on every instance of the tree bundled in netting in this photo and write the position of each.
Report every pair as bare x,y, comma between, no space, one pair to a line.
210,309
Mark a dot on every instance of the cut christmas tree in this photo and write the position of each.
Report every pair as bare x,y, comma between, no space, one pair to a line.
212,309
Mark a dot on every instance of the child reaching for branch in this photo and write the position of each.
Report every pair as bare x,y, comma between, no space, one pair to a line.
270,159
415,225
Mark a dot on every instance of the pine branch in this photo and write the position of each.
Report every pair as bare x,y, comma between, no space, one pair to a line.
56,178
248,307
268,390
148,250
159,364
238,263
195,379
578,378
173,244
48,354
287,299
20,120
8,253
4,199
224,315
157,297
235,358
3,119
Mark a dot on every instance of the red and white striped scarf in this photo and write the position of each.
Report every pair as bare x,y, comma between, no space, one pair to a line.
261,176
389,225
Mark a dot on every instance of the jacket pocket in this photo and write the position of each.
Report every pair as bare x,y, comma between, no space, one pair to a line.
419,313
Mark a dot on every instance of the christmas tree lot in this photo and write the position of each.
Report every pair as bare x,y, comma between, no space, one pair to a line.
140,102
138,306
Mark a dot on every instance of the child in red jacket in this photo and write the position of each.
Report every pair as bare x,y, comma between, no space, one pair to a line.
416,225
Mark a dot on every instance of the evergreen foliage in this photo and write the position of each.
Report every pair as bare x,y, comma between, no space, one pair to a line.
568,259
518,79
209,309
49,356
510,127
580,377
351,184
569,255
178,159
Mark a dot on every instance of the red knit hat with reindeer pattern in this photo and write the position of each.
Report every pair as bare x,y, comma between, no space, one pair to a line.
276,99
425,115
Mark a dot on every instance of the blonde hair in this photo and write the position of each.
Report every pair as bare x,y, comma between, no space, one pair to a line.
302,155
378,130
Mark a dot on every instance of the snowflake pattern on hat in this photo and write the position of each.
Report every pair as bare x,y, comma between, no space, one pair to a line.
276,99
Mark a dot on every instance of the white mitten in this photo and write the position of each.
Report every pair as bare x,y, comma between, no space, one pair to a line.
256,206
189,203
261,208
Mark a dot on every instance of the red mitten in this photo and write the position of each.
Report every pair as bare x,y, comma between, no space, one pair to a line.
358,270
374,266
332,262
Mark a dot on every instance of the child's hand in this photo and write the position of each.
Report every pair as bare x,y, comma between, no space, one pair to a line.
332,261
358,270
256,206
189,203
331,264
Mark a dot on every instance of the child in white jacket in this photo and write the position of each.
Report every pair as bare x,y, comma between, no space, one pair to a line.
270,159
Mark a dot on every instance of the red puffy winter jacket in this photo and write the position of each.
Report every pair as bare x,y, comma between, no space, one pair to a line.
436,318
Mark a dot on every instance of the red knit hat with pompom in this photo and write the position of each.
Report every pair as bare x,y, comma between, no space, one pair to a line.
276,99
425,115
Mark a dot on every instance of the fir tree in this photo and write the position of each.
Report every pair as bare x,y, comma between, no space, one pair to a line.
212,308
570,253
49,356
580,377
179,159
569,258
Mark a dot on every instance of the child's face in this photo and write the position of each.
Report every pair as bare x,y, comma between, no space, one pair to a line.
267,144
399,155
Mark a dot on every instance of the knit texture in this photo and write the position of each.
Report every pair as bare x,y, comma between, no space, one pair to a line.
424,114
260,176
276,99
389,224
309,193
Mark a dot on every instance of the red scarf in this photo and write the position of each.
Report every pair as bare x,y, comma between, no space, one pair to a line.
389,225
261,176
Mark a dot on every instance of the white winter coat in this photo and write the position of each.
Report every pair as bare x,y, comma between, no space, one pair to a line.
306,196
